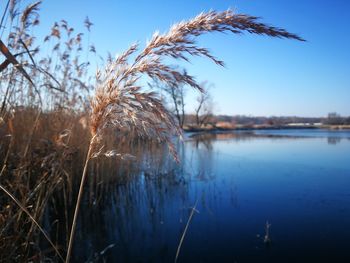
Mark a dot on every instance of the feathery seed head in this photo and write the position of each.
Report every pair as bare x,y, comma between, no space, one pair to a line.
121,102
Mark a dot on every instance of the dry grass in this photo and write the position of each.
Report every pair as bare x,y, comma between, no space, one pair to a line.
32,219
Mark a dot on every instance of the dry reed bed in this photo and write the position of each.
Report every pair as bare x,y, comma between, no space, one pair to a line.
45,180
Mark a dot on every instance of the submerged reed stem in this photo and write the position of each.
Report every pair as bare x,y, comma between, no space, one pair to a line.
185,230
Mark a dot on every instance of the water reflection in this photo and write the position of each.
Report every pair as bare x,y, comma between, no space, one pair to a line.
333,140
241,180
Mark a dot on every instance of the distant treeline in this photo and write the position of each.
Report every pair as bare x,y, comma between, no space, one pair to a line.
331,119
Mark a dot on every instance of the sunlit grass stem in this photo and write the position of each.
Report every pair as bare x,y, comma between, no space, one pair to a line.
77,206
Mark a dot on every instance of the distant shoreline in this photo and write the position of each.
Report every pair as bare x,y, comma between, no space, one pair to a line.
265,127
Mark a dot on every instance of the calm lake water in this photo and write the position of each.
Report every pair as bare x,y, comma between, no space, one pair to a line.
296,180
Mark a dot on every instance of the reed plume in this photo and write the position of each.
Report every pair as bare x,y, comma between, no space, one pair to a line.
121,102
13,8
30,15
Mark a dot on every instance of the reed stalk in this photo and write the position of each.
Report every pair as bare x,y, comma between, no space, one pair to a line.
185,231
77,206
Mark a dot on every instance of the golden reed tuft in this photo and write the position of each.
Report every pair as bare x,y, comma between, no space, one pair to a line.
119,99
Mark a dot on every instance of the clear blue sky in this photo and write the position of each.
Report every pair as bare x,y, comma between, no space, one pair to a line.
263,76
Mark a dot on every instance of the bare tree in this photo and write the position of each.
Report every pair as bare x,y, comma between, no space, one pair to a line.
204,109
176,94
